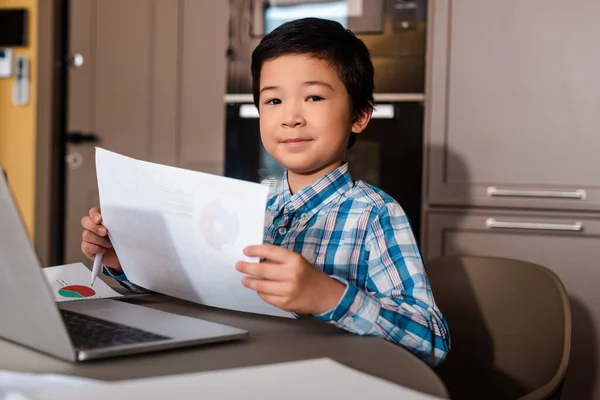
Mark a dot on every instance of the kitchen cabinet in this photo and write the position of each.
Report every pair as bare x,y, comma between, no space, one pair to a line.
569,245
512,104
512,132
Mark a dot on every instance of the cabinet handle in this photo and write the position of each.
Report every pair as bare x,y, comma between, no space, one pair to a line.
536,226
577,194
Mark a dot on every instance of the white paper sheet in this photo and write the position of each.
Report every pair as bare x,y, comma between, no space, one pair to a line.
72,282
180,232
309,379
16,385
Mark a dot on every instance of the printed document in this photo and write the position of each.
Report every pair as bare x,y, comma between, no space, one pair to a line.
180,232
15,385
72,282
308,379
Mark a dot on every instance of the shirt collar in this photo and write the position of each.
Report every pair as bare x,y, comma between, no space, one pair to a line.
312,198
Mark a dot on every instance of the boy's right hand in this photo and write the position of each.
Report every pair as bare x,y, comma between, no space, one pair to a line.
95,240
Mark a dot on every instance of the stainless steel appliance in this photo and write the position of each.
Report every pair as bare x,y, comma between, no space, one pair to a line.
393,30
388,154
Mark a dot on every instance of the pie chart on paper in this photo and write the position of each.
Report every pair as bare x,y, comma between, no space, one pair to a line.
77,291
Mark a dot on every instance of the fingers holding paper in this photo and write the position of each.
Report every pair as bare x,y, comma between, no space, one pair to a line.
288,281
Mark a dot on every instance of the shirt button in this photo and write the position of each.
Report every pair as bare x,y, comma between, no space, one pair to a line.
304,216
282,231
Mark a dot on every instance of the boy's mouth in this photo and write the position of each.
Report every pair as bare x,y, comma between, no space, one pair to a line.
296,141
296,144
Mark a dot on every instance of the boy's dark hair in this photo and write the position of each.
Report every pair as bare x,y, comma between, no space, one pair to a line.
326,40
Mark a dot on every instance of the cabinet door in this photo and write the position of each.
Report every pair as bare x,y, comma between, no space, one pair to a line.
151,87
512,103
569,245
123,91
203,63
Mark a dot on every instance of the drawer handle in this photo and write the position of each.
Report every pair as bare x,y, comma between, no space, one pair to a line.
536,226
578,194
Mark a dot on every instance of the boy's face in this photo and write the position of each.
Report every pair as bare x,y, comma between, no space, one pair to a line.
305,118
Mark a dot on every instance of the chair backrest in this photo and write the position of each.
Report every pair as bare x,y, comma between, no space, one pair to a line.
510,327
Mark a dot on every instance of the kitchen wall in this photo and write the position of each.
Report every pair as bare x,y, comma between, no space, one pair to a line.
17,124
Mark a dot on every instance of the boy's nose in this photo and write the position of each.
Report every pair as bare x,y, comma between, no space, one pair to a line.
293,118
292,123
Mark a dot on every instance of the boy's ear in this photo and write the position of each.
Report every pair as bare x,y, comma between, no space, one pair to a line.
361,121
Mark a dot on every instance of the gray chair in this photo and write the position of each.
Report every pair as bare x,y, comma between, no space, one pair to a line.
510,327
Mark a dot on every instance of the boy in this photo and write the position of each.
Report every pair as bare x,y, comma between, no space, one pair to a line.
336,248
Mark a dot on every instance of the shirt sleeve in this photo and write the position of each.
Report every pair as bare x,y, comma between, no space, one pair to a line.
397,303
122,280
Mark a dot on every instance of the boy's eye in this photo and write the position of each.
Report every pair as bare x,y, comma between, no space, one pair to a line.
273,101
314,98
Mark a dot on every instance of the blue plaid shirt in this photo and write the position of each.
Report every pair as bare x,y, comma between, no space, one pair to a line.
360,236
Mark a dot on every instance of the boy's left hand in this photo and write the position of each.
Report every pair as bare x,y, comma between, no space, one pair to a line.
288,281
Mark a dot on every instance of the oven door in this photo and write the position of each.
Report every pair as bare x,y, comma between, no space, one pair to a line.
388,154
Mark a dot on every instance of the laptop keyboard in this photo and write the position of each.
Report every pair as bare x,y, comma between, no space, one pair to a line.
92,333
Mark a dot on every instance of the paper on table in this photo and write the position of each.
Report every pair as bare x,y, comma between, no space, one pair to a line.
180,232
16,385
72,282
308,379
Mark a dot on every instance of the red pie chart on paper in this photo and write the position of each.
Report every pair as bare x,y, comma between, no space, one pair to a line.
76,291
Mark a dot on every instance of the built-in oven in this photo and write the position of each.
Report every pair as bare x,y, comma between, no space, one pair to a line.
389,153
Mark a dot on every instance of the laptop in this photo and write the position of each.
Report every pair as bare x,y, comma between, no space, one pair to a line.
84,329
